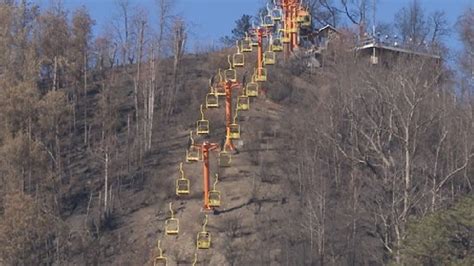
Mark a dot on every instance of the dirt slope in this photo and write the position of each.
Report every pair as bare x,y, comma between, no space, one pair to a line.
256,199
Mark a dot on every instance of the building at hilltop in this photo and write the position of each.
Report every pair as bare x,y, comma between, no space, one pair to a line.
376,50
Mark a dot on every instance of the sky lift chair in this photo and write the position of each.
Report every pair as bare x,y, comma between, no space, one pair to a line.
215,195
202,125
243,102
212,99
246,44
203,238
193,153
269,57
230,74
254,40
285,38
276,13
261,74
172,224
182,183
220,89
234,128
267,20
238,59
304,18
276,44
225,157
252,88
160,260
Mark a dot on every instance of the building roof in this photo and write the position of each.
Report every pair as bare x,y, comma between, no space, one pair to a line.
396,49
328,27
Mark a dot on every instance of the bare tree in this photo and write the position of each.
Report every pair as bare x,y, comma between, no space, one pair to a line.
80,42
124,31
178,44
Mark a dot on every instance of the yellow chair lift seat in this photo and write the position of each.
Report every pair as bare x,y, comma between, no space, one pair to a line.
238,60
307,21
224,159
230,75
182,186
172,226
160,260
254,41
269,58
243,103
300,15
304,18
262,76
246,45
204,240
193,154
202,127
252,89
277,46
267,21
276,14
285,38
215,195
214,198
234,131
212,100
220,90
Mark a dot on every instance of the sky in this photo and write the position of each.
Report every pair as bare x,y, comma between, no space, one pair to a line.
210,19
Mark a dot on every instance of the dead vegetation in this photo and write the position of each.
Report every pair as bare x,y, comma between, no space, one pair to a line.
334,161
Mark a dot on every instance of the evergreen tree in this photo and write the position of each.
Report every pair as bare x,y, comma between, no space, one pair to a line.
442,238
242,26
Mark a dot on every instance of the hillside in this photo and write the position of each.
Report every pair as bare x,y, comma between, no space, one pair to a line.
257,205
